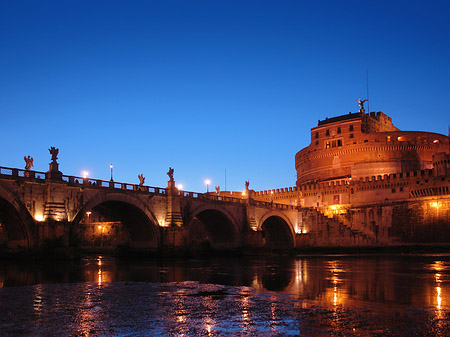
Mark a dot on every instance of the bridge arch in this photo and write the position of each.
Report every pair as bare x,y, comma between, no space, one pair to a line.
137,219
17,226
217,227
278,230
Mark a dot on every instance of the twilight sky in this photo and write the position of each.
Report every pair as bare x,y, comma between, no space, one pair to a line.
208,86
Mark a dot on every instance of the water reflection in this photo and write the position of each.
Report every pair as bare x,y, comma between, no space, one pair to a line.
333,281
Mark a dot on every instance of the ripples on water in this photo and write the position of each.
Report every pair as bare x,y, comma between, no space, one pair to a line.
306,296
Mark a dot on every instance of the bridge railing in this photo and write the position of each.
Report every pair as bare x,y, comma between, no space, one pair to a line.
215,197
210,196
75,181
98,183
15,172
266,204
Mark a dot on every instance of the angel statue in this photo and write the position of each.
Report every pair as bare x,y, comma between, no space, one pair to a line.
170,173
54,152
247,183
28,162
361,104
141,179
218,189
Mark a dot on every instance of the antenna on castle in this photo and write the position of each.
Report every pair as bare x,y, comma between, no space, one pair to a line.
367,88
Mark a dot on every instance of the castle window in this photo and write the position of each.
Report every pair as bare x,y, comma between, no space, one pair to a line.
388,138
393,190
317,135
351,127
366,140
339,129
328,132
333,143
351,135
317,142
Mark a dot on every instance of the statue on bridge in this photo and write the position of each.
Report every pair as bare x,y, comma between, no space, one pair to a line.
217,190
170,173
28,162
247,183
54,172
54,152
141,179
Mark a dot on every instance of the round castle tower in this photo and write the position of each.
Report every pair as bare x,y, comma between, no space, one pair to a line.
363,145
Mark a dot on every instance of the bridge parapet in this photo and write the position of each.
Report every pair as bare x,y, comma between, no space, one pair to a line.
211,196
14,173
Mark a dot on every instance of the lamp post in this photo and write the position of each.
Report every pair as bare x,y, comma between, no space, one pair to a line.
207,182
111,167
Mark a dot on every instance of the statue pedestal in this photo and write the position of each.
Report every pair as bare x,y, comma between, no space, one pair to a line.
173,215
53,173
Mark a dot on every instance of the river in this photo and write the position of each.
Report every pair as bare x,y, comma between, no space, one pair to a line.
332,295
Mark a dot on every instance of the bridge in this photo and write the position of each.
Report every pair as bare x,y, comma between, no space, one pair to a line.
37,207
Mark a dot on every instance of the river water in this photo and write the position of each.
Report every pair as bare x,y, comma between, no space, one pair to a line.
405,295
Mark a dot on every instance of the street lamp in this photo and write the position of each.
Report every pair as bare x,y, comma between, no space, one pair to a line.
111,167
85,174
207,182
180,187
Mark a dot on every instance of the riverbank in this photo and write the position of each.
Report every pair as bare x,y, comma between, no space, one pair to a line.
69,253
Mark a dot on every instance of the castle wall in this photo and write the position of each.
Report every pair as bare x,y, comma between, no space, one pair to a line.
370,154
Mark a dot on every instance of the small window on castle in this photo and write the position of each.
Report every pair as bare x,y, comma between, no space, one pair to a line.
351,127
317,135
317,142
366,140
327,145
401,189
393,190
339,129
339,142
351,135
328,132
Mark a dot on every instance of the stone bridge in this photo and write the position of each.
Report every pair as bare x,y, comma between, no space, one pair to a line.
37,207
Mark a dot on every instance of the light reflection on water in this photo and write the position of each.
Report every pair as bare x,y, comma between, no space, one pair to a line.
229,295
416,281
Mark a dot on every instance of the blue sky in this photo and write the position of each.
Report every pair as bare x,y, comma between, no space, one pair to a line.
209,86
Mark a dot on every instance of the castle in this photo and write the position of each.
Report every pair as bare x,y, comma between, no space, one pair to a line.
361,175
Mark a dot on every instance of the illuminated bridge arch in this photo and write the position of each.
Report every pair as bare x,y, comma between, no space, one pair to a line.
278,231
137,219
17,227
216,227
